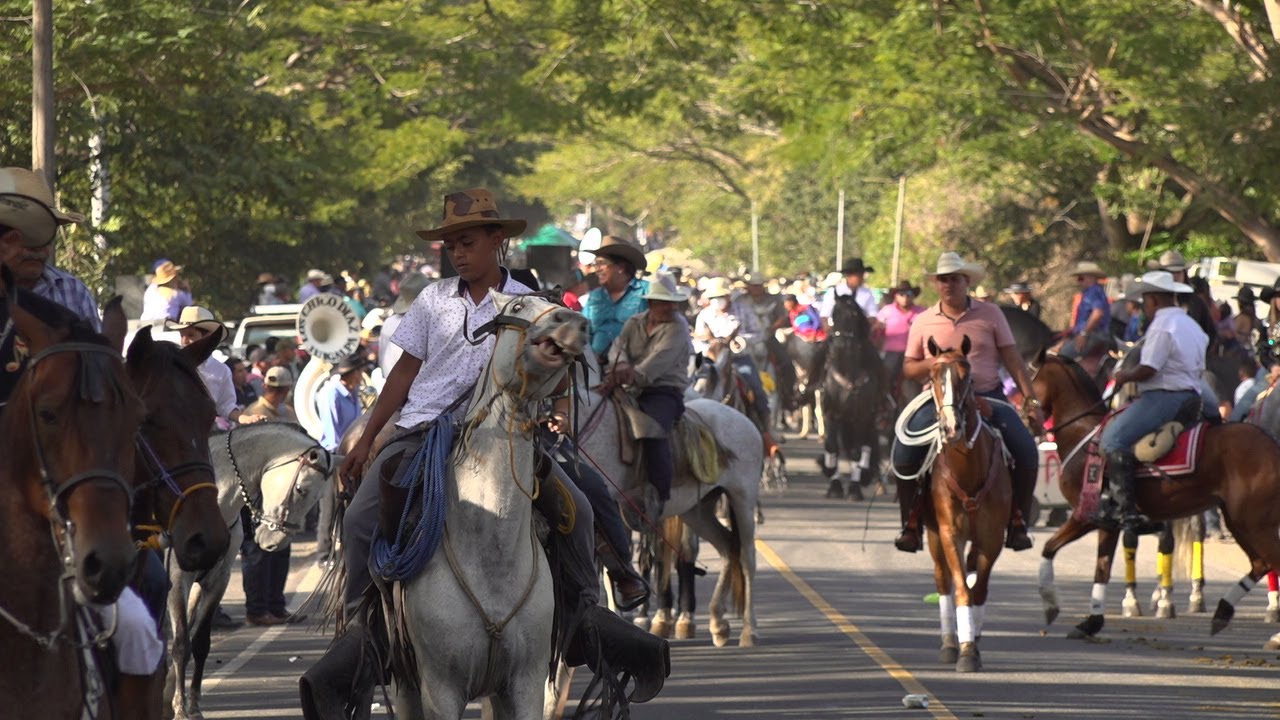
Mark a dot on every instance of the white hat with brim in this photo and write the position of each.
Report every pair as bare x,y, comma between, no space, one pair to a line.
1157,281
194,316
1172,261
831,280
950,263
26,205
1088,267
663,287
717,287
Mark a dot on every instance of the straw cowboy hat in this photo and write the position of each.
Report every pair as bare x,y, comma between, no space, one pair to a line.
950,263
26,205
854,266
1158,281
663,287
472,208
1172,261
982,293
194,316
616,247
167,272
717,287
1088,267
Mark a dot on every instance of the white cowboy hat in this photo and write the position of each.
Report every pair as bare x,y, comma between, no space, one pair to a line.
196,317
663,287
831,280
26,205
1088,267
950,263
1157,281
1172,261
717,287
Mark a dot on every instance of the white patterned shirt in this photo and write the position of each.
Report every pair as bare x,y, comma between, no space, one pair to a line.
439,329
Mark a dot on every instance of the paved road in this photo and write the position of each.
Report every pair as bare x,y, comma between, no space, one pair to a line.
846,633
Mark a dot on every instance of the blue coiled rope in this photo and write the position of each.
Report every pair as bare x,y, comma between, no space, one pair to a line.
425,480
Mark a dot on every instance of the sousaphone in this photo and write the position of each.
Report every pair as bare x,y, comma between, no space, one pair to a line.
330,332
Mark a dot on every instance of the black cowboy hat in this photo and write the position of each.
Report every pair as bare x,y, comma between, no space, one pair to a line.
1245,294
906,287
349,364
1268,294
1019,287
854,266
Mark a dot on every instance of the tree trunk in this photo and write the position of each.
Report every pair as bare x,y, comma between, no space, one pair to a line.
43,131
1273,14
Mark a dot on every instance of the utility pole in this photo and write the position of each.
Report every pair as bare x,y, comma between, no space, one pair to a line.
755,239
840,229
897,229
42,118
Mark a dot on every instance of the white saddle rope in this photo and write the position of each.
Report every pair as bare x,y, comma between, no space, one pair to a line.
931,435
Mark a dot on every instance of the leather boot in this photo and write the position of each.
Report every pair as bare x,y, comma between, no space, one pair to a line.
909,501
340,685
1125,488
630,591
1016,538
612,646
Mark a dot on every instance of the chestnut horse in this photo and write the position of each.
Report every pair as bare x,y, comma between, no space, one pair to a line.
64,519
1236,471
969,502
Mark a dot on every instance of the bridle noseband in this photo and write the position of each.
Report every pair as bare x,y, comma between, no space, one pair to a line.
160,475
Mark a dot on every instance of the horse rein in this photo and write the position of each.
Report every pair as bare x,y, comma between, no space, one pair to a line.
160,475
274,524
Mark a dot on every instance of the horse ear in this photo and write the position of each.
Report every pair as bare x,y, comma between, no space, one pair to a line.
965,345
140,346
200,350
114,324
933,348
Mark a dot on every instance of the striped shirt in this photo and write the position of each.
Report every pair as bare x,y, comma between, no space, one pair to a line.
66,290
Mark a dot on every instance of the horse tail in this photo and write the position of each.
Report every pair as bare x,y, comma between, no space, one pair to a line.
737,577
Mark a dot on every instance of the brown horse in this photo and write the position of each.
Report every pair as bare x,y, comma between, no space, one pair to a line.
1236,470
64,520
176,496
970,499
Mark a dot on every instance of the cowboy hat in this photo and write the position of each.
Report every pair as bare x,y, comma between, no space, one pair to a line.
410,286
663,287
264,278
1246,294
905,287
981,293
26,205
315,274
1158,281
1018,287
278,377
167,272
616,247
717,287
1172,261
350,363
1088,267
473,208
753,279
950,263
854,266
831,280
194,316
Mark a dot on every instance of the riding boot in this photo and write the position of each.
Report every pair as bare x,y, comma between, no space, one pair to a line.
614,648
1124,488
910,500
630,591
1016,538
340,685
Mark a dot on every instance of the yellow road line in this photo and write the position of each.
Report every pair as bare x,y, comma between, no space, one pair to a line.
846,626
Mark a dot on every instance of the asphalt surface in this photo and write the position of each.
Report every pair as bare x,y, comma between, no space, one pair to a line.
846,632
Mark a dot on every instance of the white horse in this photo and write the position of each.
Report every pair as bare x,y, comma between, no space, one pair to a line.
716,380
739,479
284,466
479,616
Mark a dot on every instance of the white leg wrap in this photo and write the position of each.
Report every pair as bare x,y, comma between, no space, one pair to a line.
1273,599
1237,591
856,474
1098,599
971,579
829,459
865,461
138,645
947,613
979,618
964,623
1046,573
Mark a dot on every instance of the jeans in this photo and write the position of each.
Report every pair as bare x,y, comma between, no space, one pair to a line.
1026,456
1151,410
594,488
665,405
1093,345
264,575
746,369
153,583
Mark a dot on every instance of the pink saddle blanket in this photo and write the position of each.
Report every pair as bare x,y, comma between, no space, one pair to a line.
1181,461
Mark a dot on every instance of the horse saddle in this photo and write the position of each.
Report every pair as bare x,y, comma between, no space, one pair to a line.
1154,446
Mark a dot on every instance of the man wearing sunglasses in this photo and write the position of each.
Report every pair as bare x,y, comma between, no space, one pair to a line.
30,220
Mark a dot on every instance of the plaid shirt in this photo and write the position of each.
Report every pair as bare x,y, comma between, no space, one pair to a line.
64,289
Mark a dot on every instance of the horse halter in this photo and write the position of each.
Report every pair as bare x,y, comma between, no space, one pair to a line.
280,524
160,475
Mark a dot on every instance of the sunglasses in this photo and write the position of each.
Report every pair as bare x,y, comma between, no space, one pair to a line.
950,278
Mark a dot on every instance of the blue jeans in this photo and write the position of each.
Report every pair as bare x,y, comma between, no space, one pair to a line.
263,574
665,405
1026,456
1151,410
593,485
746,369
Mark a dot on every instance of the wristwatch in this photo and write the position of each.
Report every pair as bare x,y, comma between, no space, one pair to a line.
1033,402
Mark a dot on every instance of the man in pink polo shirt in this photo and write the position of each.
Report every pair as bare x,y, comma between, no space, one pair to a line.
954,317
896,318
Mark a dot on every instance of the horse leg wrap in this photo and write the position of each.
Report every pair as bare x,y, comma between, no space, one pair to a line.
864,462
1098,599
964,623
947,614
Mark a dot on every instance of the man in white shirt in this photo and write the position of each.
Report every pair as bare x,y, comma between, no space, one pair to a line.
854,272
194,323
1168,376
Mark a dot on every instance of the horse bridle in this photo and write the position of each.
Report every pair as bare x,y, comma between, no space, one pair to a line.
965,397
1091,410
160,475
273,523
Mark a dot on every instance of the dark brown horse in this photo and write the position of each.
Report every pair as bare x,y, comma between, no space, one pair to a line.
969,503
1236,471
64,518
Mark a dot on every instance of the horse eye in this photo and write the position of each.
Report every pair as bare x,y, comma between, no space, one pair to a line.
517,307
300,489
49,417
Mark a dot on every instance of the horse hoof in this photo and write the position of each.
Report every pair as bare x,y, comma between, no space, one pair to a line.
1196,604
1091,626
642,622
1273,615
855,492
970,659
1222,617
1131,608
661,628
1273,643
747,640
686,630
720,634
835,490
950,652
1050,614
1166,611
